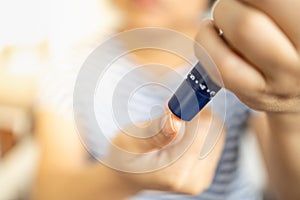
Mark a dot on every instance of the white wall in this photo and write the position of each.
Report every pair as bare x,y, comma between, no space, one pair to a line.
63,21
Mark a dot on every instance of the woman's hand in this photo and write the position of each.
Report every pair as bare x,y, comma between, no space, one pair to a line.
185,174
258,55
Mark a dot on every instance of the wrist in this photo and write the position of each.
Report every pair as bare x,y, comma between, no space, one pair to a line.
284,122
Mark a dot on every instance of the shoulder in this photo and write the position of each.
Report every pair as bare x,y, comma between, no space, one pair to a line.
56,82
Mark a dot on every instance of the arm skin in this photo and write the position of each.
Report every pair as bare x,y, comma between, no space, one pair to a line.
64,173
83,184
279,137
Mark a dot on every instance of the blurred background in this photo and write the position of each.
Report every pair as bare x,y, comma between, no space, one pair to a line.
34,32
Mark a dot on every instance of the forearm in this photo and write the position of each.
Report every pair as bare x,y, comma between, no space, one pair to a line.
92,183
283,154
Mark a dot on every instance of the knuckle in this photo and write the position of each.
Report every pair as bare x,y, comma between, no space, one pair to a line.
174,185
259,88
177,179
281,86
172,181
243,31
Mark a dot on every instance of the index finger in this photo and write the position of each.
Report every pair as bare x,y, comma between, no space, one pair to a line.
284,13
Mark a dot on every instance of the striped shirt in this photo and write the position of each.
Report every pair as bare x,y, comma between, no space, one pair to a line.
146,103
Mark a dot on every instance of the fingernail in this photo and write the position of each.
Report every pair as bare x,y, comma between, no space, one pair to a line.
171,125
176,123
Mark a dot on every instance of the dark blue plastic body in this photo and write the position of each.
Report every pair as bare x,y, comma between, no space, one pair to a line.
193,94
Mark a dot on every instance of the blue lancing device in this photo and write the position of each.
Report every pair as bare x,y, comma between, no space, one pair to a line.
193,94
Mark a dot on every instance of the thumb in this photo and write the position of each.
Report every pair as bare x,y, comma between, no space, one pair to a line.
171,126
136,153
160,132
